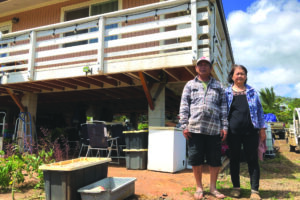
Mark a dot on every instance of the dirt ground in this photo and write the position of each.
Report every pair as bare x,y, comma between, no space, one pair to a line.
280,179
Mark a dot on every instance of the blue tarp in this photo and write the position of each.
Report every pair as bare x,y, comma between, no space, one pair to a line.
270,117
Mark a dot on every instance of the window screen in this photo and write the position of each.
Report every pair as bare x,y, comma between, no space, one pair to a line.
3,31
72,15
102,8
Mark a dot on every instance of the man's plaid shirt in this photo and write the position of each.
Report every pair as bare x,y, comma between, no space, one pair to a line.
203,111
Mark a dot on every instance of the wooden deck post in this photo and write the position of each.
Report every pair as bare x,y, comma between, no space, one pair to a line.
31,59
194,26
16,99
100,58
146,90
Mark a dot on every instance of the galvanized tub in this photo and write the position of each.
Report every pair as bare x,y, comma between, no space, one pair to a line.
111,188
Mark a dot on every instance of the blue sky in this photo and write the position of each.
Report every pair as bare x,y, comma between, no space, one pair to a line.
234,5
265,38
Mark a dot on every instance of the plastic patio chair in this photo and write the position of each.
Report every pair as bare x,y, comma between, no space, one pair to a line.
99,141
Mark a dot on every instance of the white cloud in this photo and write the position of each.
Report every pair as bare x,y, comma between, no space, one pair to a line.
297,90
266,39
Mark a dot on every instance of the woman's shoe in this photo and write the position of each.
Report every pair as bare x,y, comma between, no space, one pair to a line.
236,192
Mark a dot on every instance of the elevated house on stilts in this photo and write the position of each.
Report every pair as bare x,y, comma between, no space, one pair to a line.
63,60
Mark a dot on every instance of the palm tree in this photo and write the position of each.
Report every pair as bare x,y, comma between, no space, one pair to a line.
268,98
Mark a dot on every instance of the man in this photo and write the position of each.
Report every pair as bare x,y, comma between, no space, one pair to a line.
203,118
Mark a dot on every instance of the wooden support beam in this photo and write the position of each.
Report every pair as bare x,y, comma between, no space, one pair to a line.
16,99
146,90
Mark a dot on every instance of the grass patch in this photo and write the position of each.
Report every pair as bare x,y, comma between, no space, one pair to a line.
276,170
278,159
190,190
290,196
224,182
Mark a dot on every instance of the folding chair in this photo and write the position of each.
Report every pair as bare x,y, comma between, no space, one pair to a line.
84,140
116,131
97,139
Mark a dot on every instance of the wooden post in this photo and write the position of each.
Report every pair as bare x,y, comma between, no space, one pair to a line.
146,90
16,99
224,62
212,31
3,128
100,58
194,26
31,59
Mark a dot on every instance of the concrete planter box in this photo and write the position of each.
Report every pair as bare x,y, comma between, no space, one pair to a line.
63,179
111,188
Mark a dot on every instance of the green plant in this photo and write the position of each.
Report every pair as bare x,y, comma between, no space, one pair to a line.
14,165
142,126
58,144
34,161
11,170
119,118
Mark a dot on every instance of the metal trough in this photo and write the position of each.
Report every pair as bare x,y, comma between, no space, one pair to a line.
111,188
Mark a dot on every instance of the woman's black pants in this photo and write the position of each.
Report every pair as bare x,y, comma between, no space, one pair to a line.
250,147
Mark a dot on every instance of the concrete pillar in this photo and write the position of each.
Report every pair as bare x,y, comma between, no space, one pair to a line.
156,117
29,101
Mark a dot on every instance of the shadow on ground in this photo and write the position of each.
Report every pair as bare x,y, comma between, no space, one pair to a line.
265,194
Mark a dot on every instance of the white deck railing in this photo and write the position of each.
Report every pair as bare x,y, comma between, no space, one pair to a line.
154,30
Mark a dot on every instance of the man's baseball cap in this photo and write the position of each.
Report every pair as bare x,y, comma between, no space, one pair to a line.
203,58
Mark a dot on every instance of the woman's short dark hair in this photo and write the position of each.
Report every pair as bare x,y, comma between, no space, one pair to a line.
229,78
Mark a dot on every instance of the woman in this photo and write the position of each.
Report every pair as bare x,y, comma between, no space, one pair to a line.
246,127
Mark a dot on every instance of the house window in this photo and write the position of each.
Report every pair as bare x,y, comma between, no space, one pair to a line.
72,15
4,30
102,8
93,9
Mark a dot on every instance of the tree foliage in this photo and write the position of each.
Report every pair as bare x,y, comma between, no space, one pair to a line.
271,104
268,98
295,103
